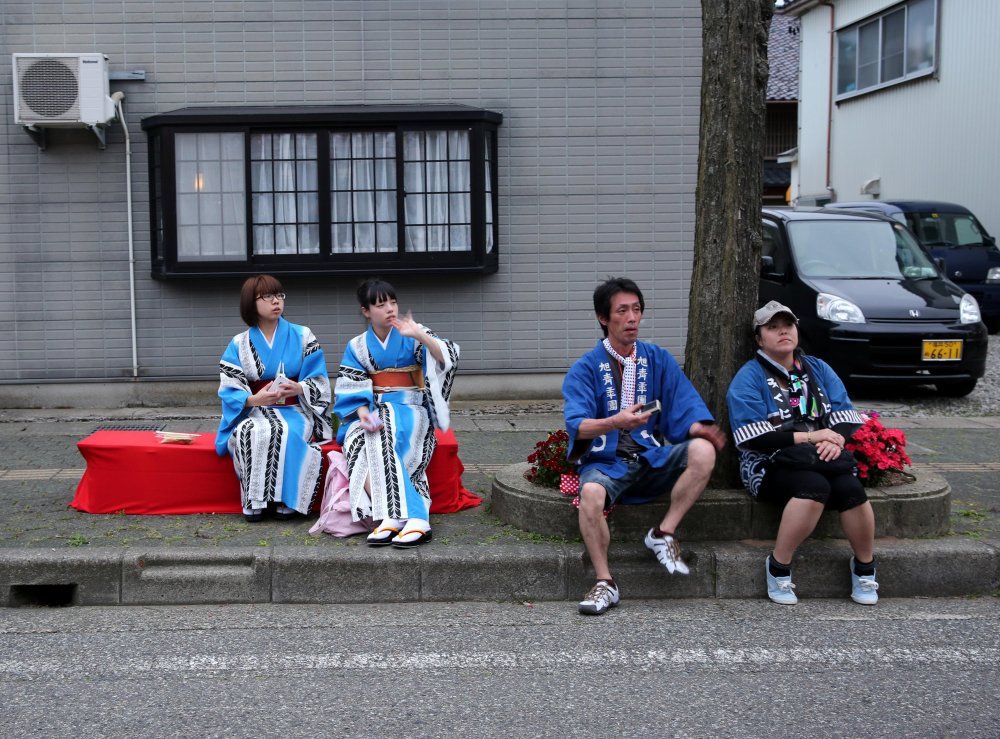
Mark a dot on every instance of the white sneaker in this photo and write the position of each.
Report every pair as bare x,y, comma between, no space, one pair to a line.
864,589
779,589
667,552
600,598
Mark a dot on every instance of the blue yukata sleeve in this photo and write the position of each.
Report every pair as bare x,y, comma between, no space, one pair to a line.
580,402
233,391
682,405
353,389
315,384
747,403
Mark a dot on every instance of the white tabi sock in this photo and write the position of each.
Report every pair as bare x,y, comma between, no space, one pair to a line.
414,528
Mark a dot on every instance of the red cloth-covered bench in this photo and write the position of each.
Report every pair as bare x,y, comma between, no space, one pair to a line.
133,472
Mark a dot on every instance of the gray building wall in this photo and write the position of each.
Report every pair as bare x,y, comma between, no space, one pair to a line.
597,171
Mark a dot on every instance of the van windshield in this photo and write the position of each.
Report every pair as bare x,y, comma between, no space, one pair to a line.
859,249
945,229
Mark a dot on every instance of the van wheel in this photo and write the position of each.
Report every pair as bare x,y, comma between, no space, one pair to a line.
956,389
992,324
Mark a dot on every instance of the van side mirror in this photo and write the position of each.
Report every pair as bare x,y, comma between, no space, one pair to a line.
939,261
767,267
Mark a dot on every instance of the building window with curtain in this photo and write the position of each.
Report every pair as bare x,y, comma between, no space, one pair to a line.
363,192
210,196
895,46
323,190
285,193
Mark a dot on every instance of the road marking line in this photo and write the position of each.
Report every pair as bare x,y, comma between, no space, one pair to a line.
485,469
61,474
941,657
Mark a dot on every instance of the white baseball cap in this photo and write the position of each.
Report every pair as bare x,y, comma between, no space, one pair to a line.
769,311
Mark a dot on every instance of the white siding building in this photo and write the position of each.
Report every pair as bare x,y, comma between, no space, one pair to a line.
903,104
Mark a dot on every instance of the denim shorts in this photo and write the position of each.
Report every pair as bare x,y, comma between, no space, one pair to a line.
641,483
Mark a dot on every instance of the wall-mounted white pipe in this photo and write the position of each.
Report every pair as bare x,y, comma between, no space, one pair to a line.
118,97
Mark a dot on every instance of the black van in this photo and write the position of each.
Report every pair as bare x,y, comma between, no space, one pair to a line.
953,234
870,300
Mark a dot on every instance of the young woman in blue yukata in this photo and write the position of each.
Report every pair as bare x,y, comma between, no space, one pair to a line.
276,401
391,392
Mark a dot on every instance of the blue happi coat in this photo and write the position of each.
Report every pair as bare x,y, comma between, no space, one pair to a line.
755,411
275,449
392,462
590,391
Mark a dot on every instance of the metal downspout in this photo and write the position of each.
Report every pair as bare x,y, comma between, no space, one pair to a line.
118,97
829,104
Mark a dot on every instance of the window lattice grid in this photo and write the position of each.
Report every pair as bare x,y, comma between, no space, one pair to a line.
437,186
284,177
211,196
490,240
363,192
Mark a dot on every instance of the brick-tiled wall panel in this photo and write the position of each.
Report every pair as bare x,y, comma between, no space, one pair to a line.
597,169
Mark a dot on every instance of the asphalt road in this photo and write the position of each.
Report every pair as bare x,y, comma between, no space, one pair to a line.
675,668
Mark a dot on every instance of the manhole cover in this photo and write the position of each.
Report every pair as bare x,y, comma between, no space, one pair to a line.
129,427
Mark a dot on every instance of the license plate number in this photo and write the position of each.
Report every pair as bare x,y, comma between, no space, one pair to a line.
942,351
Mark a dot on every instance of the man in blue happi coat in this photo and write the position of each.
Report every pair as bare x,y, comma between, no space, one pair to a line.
627,456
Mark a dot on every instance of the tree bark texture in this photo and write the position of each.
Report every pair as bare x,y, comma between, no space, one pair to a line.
727,212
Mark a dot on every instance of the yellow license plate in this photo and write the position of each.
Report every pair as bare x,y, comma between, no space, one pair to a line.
942,351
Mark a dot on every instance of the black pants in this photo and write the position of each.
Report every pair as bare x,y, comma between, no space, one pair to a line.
839,492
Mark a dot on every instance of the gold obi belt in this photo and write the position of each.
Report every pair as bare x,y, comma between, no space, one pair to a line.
398,378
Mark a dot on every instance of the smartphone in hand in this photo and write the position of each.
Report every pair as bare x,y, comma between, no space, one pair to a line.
652,407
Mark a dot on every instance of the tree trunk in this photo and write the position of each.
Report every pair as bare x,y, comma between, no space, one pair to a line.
727,213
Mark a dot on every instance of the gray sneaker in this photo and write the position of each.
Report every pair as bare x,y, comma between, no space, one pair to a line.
600,598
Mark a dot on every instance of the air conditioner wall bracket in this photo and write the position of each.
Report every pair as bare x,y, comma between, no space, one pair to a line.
98,131
37,135
40,136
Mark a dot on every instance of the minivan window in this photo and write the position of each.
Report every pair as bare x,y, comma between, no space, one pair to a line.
945,229
771,247
860,249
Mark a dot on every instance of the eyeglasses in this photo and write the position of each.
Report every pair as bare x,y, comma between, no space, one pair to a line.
271,297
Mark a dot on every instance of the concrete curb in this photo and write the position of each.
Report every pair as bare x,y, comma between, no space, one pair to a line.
519,572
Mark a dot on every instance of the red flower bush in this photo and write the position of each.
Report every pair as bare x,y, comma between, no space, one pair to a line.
879,451
548,461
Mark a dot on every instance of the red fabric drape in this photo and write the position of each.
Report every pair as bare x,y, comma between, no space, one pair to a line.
132,472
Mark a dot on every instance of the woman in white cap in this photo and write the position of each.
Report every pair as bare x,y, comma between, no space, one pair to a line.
791,417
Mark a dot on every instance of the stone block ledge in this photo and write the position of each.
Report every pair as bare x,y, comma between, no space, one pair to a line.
917,509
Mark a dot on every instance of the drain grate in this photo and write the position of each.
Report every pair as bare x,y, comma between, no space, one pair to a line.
129,427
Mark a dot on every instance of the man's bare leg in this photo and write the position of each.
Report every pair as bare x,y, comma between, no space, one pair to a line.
690,485
594,527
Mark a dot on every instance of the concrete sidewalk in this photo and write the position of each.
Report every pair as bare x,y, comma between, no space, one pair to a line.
50,553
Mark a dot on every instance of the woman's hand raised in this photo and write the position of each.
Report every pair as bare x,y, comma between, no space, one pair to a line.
408,327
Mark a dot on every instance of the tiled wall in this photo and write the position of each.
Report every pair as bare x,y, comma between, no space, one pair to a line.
597,170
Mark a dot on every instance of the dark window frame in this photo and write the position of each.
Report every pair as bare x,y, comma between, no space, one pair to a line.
481,124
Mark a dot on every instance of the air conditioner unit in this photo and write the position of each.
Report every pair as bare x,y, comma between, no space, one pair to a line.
62,90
